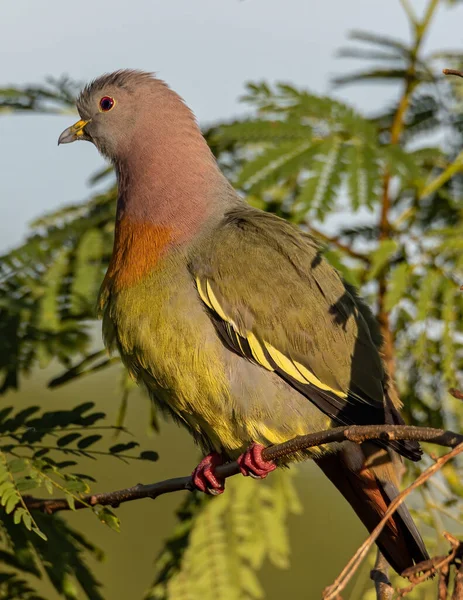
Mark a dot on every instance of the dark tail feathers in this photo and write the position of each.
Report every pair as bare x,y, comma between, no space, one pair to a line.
369,496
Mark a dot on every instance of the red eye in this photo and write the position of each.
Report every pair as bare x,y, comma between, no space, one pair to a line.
106,103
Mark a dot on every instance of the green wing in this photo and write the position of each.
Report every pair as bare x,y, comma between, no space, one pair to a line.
275,301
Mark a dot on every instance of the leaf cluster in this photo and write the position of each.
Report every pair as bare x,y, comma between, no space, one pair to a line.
45,453
221,544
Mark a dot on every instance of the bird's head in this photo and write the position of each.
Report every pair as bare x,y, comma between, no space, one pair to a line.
118,107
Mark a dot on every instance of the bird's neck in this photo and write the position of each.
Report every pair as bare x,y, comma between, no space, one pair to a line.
173,182
168,192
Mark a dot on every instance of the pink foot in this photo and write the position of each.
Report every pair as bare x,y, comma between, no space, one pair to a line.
251,462
204,477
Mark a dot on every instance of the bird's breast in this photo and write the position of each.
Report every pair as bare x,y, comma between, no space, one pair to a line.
138,248
168,342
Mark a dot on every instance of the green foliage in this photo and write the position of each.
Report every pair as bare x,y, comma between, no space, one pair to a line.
55,96
380,257
44,453
306,144
48,290
13,587
61,556
219,544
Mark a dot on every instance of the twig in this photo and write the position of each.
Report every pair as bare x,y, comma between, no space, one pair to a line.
458,589
380,576
335,241
438,564
443,583
456,393
452,72
333,591
355,433
411,81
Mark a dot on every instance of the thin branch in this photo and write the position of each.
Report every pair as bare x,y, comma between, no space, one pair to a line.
76,451
443,583
428,15
335,241
455,167
332,592
458,589
458,394
411,81
452,72
380,576
78,370
438,564
410,12
357,434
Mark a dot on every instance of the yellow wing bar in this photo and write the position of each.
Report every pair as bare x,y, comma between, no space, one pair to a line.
260,350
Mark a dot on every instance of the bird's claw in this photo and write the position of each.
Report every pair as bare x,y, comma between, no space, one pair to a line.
204,477
251,463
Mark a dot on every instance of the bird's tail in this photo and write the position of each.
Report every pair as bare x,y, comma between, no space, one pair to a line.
366,477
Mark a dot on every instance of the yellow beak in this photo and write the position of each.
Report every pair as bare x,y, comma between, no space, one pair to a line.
73,133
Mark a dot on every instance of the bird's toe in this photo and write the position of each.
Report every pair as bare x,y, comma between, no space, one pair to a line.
251,462
204,477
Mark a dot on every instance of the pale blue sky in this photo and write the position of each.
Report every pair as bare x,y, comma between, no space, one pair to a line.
205,49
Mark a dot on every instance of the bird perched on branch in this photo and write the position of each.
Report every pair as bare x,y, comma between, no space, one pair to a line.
230,316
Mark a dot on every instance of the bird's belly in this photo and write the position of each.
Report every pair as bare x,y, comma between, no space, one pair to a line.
224,400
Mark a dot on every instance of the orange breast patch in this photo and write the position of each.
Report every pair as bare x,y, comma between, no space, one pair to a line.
137,248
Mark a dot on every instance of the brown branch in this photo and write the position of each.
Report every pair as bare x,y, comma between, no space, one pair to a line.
380,576
332,592
335,241
443,583
356,433
458,589
458,394
438,564
452,72
411,81
384,225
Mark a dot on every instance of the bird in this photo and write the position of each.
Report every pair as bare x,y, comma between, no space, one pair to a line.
231,317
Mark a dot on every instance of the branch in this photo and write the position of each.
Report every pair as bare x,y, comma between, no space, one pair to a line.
398,125
455,167
452,72
380,576
438,564
458,394
410,12
335,241
332,592
355,433
458,589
